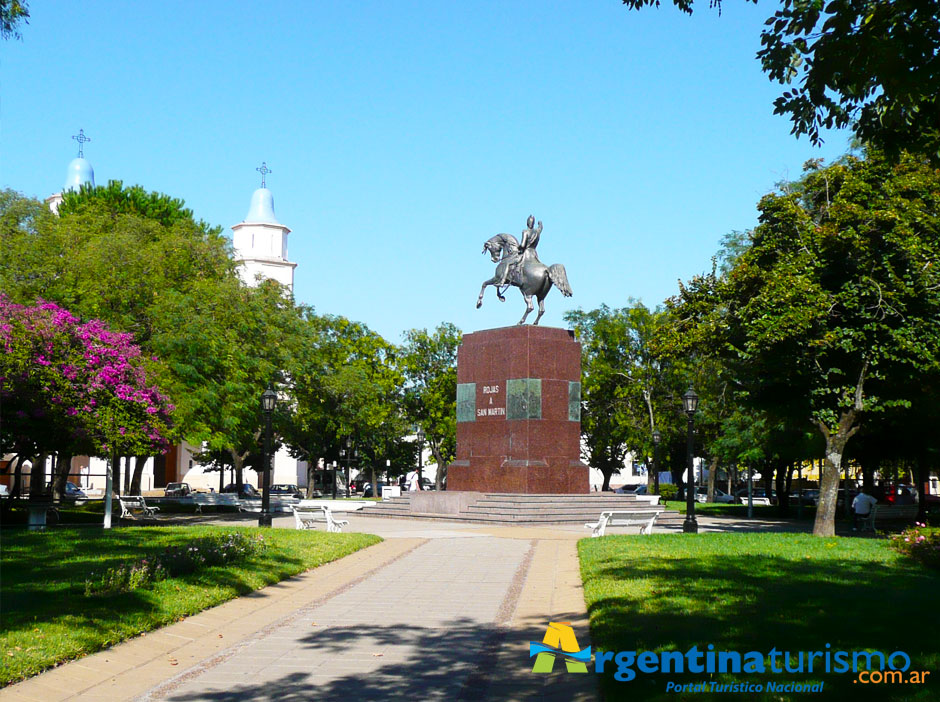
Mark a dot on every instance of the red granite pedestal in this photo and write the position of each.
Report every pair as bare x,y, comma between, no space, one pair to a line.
518,414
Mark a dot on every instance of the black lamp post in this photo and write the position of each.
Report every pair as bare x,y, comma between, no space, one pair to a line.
690,404
268,400
420,436
349,454
657,438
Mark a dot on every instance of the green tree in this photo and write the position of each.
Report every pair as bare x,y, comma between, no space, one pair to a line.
429,364
835,306
346,387
625,383
869,64
115,254
221,344
13,13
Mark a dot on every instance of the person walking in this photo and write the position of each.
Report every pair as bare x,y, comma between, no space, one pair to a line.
861,507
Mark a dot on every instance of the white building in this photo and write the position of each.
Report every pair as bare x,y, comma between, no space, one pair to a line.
260,241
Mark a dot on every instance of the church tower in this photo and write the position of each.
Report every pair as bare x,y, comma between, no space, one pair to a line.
79,173
260,241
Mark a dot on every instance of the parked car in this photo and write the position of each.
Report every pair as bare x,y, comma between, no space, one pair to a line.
741,495
287,490
631,490
243,490
721,497
177,490
810,497
73,492
367,489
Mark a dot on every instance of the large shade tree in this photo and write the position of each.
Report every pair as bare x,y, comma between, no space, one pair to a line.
832,315
429,364
70,387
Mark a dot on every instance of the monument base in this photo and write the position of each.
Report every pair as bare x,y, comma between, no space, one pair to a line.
563,477
518,413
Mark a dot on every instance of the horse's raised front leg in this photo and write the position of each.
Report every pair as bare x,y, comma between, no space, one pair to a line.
541,310
491,281
528,308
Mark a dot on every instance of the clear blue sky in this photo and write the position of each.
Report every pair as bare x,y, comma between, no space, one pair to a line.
402,135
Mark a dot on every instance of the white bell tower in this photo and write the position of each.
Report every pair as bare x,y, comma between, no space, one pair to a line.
79,173
260,241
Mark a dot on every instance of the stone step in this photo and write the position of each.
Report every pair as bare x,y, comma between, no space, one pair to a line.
514,508
664,518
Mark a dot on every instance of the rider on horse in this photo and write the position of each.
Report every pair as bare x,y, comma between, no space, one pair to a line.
530,240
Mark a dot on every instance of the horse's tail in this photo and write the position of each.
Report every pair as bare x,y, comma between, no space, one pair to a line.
556,272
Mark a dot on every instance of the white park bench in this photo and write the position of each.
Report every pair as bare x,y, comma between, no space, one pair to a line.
305,517
216,499
642,517
131,506
888,513
756,501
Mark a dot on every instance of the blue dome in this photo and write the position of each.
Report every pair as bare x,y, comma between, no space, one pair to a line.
79,173
262,207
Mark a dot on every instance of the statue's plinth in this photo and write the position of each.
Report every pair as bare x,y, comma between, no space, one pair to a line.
518,412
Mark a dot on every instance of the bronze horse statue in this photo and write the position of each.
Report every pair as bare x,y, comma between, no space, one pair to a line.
519,266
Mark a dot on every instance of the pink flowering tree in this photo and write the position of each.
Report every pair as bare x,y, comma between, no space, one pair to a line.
74,388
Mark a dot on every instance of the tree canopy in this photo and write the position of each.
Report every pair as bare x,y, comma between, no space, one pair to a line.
872,65
831,316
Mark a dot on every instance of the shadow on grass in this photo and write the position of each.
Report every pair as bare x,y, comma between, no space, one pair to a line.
756,601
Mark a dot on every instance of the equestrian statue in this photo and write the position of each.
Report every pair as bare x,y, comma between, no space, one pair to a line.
519,266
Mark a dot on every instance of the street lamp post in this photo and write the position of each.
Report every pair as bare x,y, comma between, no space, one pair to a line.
657,438
690,404
349,453
420,436
268,400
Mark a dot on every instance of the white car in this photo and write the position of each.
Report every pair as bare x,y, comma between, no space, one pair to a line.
721,497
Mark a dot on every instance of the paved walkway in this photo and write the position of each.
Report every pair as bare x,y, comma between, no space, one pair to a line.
435,612
439,610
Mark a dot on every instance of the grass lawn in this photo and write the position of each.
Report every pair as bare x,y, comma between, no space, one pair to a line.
755,592
739,511
46,617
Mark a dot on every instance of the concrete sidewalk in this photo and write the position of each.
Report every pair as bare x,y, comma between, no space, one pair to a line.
436,611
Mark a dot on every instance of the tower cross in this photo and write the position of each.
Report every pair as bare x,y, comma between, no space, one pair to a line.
264,170
81,139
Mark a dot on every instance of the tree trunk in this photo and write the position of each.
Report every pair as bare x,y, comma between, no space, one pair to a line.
238,465
14,467
923,485
767,478
825,524
63,466
139,463
712,471
116,475
782,486
441,468
606,472
37,477
17,487
679,482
